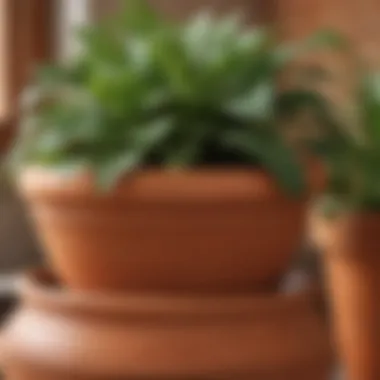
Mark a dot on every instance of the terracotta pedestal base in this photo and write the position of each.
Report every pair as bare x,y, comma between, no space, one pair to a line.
62,335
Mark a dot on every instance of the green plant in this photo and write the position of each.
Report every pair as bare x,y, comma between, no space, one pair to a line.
148,91
351,149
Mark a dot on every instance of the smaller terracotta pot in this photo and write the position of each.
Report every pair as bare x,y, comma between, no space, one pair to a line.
351,255
59,334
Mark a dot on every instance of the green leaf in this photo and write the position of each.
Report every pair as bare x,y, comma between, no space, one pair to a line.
110,170
145,138
188,146
291,103
255,40
321,40
274,155
171,60
153,133
139,17
370,107
327,38
207,40
256,104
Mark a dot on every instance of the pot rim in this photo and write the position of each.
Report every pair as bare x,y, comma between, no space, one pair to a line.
210,184
37,288
351,227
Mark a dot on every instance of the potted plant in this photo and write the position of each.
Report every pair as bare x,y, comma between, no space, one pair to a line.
345,224
154,159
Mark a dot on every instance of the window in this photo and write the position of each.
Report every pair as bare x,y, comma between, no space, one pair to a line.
4,61
25,39
70,15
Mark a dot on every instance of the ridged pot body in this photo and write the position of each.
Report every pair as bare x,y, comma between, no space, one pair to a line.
350,247
58,334
204,231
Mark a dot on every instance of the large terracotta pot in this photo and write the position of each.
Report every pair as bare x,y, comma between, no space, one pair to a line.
205,230
351,254
59,334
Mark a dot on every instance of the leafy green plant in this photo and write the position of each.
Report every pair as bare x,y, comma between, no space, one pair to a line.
351,149
148,91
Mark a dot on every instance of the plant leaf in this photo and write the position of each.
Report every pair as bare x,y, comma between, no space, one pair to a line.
274,155
256,104
110,170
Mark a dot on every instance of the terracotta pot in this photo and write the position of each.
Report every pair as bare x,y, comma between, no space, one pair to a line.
206,230
351,245
59,334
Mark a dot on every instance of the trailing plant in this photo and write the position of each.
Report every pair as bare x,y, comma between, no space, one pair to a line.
148,91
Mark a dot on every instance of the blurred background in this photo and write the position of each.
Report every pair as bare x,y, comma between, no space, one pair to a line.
32,31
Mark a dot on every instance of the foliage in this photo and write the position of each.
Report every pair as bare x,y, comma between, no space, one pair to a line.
351,150
148,91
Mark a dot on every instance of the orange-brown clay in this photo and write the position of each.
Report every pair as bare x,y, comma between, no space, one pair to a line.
61,334
204,230
351,245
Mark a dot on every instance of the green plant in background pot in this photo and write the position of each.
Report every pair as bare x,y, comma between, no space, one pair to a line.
345,224
179,124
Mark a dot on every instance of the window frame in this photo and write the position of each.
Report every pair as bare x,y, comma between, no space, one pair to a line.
27,40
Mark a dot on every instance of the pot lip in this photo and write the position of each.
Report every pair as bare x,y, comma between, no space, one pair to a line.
38,290
349,226
204,183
